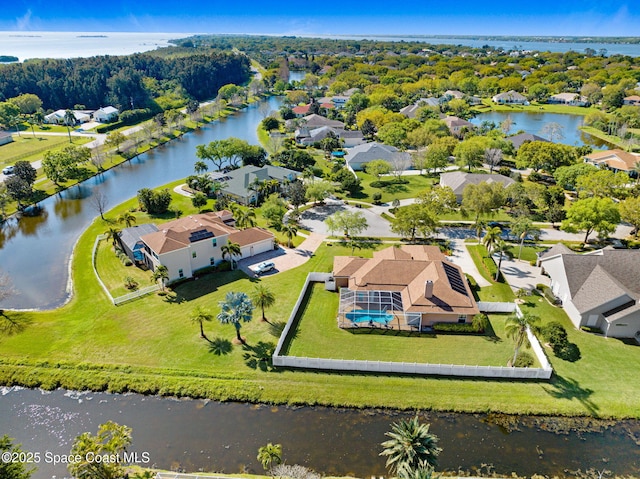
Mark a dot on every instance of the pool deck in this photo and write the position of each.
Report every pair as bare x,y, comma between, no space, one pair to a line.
394,325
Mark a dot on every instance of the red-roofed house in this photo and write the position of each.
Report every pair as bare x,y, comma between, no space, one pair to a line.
188,244
616,160
410,286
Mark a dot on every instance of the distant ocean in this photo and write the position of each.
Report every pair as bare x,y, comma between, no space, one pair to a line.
26,45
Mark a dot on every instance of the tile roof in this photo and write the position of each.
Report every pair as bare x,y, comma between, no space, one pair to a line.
617,159
180,233
407,269
250,236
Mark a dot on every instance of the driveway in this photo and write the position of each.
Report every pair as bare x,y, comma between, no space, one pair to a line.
284,258
313,220
462,258
520,274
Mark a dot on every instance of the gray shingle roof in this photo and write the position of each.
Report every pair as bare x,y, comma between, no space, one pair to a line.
518,140
239,180
458,180
372,151
597,278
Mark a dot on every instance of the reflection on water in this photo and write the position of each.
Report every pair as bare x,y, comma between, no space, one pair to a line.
31,246
201,435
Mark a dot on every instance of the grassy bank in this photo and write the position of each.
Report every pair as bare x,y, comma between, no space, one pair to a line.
151,346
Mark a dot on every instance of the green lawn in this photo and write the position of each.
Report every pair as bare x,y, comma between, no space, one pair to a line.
28,148
149,345
317,335
488,105
417,183
112,271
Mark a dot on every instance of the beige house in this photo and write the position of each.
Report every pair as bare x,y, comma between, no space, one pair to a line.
195,242
616,160
406,287
599,290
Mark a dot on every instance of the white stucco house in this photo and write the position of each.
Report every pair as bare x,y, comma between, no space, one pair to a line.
189,244
106,114
600,289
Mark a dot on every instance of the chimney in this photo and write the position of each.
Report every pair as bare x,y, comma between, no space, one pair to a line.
428,289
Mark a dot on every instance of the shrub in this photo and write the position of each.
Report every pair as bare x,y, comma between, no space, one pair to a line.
454,327
130,283
377,196
224,266
554,333
535,176
127,262
504,171
480,323
568,351
524,360
383,183
490,266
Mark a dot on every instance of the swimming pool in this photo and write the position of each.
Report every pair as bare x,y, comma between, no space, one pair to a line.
369,315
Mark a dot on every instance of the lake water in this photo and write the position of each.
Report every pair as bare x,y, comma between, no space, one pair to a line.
35,251
551,46
26,45
535,124
195,435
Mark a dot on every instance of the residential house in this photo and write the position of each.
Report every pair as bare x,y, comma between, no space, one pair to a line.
106,114
459,180
451,94
314,121
573,99
631,100
360,155
241,184
57,117
522,138
306,136
510,97
457,126
5,137
415,285
616,160
410,111
599,289
189,244
131,243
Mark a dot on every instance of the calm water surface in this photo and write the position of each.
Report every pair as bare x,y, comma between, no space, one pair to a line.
224,437
35,251
535,124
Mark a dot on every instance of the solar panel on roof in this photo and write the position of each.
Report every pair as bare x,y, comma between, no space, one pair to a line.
455,280
200,235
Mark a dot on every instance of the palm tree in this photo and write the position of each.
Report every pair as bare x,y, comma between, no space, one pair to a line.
516,327
236,308
503,249
419,473
263,298
127,218
161,274
411,446
200,315
270,455
69,120
200,167
245,217
113,233
231,249
290,231
480,225
491,237
522,228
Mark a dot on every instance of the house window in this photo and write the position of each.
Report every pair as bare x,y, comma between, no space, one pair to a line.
181,273
212,261
214,242
193,254
462,318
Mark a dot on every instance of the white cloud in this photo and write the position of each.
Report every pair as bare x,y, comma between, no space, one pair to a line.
23,22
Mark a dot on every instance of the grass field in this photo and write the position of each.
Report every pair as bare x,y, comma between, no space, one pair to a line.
417,183
28,148
317,335
151,346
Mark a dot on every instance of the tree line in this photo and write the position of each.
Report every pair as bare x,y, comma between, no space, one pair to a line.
126,82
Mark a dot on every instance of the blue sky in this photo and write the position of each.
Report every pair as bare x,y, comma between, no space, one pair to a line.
423,17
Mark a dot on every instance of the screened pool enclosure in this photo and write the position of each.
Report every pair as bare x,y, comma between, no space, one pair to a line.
375,309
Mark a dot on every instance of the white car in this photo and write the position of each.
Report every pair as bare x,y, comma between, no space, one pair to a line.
264,267
7,170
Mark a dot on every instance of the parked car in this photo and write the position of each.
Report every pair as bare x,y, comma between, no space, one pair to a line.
7,170
264,267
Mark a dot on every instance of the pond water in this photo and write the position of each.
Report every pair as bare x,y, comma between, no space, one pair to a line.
535,123
195,435
35,251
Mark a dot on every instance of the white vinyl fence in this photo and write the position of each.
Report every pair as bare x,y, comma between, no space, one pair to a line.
494,307
409,368
123,298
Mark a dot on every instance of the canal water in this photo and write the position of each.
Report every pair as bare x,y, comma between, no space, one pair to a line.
195,435
35,251
535,123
